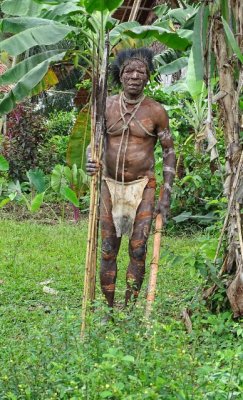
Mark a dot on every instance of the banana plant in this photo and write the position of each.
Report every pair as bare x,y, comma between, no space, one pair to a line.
44,23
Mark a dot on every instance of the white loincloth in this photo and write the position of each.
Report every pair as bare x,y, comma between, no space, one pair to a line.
125,197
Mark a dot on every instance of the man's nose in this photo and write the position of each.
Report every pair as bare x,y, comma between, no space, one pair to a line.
134,74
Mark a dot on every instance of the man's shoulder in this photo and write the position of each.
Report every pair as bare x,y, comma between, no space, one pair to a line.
154,103
112,99
156,109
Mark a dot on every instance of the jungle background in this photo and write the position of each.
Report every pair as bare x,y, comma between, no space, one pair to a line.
191,348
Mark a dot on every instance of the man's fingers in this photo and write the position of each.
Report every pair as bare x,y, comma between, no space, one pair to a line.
92,167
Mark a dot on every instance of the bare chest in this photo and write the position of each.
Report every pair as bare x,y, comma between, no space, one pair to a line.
138,124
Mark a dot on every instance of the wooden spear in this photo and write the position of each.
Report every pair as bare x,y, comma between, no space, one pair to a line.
97,132
155,262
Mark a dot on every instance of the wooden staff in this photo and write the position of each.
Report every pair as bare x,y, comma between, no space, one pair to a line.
155,262
97,131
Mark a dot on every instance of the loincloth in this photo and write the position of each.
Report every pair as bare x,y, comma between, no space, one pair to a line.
125,198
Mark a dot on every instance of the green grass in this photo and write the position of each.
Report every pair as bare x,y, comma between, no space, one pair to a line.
42,356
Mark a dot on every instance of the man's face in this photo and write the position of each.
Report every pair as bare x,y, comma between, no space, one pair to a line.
134,78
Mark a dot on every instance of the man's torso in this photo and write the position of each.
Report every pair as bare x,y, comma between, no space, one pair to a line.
129,141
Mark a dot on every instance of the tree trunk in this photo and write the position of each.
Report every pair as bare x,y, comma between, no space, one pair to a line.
227,67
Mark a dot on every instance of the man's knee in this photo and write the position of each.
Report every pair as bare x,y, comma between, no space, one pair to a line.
138,250
109,249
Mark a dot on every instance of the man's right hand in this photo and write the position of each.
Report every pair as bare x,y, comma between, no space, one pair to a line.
92,167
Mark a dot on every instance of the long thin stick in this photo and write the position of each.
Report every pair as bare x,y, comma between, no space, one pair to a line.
155,262
98,127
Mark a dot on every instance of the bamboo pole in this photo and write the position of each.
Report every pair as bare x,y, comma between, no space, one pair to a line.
97,132
154,266
135,10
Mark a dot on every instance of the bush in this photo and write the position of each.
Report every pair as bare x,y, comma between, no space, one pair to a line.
52,152
60,123
26,130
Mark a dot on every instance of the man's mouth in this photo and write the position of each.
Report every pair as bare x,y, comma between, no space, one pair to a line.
134,86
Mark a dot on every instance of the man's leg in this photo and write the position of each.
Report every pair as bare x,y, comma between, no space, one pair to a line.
138,242
109,247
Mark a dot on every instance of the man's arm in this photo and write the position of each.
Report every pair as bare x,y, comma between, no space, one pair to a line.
169,164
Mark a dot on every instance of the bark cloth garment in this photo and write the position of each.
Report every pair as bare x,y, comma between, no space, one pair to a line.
125,198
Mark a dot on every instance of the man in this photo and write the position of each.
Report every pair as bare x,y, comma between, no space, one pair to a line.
134,123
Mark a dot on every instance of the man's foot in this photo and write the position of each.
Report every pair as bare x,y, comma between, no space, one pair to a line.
108,318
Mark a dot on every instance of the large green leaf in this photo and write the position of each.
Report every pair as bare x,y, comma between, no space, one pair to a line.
15,73
21,7
4,166
225,9
232,41
19,24
79,139
61,10
195,72
49,80
199,40
101,5
182,14
169,38
58,180
37,179
23,87
37,202
194,85
40,35
70,195
116,33
174,66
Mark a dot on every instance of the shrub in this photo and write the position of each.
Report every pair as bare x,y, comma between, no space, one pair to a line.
52,152
60,123
26,130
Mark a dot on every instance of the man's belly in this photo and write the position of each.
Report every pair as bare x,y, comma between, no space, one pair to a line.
130,162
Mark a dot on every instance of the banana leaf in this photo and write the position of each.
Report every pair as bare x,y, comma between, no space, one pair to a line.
199,41
4,165
50,79
24,87
17,72
232,42
174,66
19,24
116,33
169,38
98,5
56,12
47,34
21,7
79,140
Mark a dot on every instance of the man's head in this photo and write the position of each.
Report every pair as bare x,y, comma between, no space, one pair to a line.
131,69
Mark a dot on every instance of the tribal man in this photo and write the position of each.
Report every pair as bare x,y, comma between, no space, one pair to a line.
134,123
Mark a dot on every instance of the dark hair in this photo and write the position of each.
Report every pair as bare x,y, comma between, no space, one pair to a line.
123,57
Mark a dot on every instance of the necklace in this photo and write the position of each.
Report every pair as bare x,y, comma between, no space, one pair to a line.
125,128
135,101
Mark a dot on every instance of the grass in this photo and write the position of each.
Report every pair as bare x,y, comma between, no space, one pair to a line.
42,356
